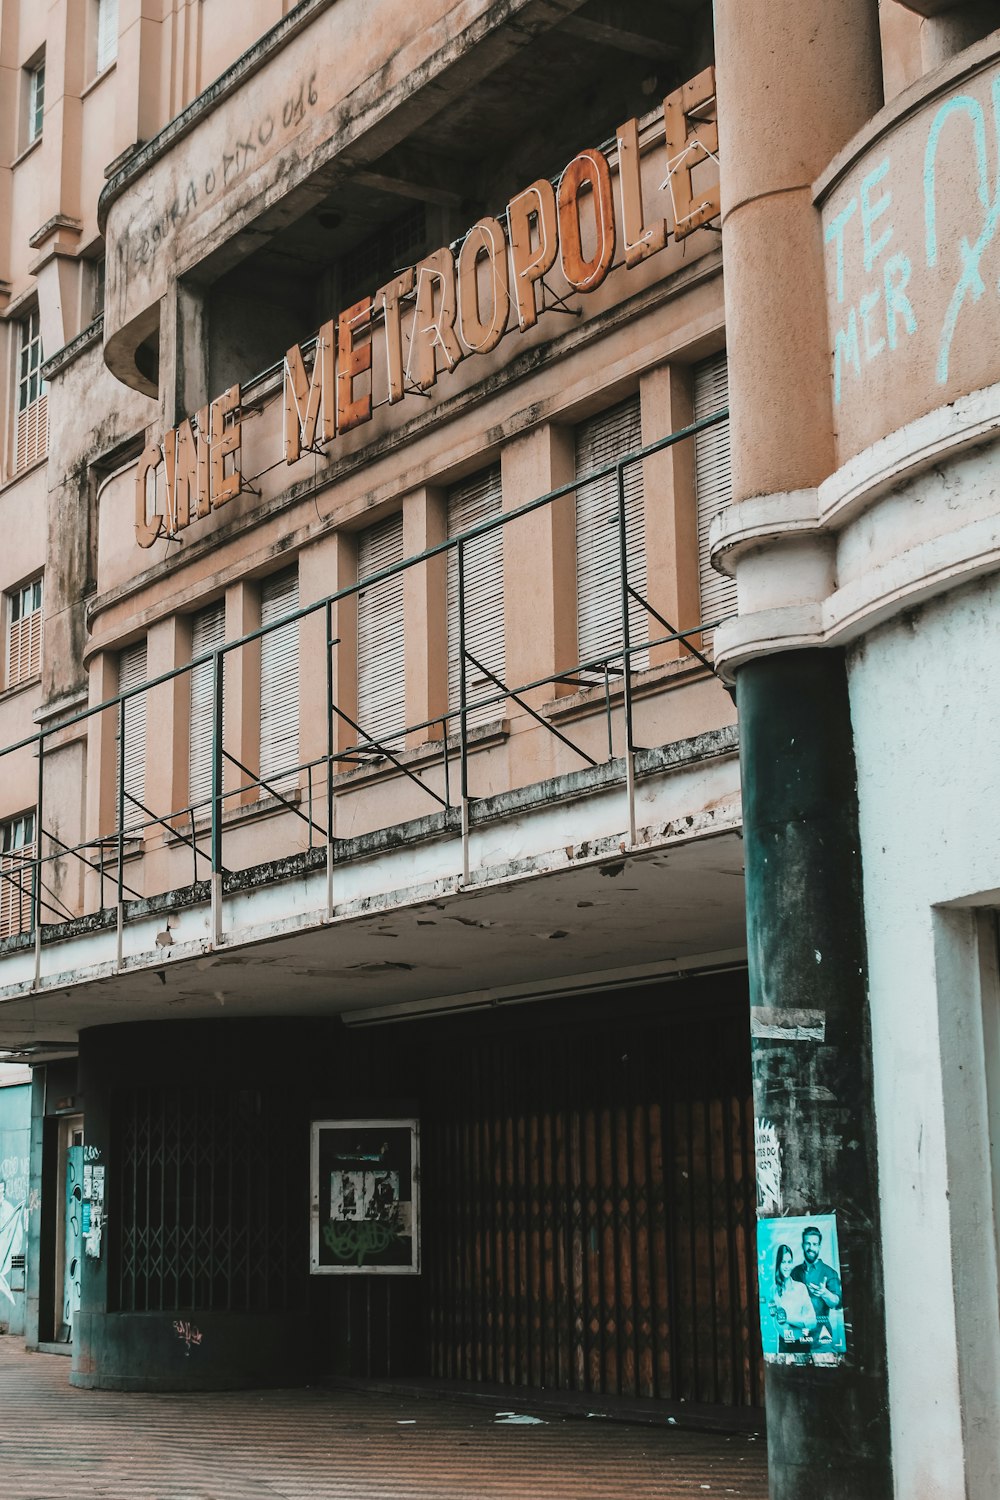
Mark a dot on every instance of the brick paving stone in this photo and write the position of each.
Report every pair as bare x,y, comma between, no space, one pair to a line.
59,1443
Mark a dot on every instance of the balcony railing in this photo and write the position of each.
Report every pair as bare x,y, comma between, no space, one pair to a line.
309,792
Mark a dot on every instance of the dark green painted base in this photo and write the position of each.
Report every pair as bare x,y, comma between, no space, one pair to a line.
828,1429
204,1351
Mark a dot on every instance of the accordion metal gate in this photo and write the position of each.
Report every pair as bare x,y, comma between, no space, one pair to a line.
589,1210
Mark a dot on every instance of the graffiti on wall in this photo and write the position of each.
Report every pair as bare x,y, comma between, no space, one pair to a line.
365,1213
13,1220
900,280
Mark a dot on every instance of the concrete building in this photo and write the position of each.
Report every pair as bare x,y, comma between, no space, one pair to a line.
386,972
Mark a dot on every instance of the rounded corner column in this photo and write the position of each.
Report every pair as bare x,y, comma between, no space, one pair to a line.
796,80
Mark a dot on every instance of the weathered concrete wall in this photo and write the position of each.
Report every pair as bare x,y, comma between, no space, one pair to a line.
926,717
912,232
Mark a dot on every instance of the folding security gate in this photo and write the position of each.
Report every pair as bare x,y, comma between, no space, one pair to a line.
589,1205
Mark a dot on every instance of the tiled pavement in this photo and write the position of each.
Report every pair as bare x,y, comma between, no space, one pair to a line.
59,1443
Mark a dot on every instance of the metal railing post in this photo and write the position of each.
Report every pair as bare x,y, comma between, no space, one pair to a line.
218,669
627,650
328,617
463,713
120,838
36,889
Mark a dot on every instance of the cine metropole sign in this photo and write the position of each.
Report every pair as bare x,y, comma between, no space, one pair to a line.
450,306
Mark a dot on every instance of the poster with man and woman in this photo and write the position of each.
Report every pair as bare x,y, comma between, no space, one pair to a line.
801,1291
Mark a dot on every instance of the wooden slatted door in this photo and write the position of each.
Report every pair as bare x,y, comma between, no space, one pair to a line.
589,1211
713,484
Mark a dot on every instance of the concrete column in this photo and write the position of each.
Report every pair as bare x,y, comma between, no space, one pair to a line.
796,79
102,769
947,30
183,353
241,731
539,555
325,567
671,516
168,718
425,612
137,98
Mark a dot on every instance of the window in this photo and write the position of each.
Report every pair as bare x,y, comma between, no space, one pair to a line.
279,684
96,287
24,633
17,850
713,485
107,33
370,264
32,416
381,684
132,672
600,442
208,633
476,499
36,100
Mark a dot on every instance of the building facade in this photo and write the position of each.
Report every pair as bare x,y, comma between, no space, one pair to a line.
422,424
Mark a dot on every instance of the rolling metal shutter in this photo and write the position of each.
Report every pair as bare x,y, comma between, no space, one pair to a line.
713,485
476,499
208,633
279,683
599,442
131,672
381,683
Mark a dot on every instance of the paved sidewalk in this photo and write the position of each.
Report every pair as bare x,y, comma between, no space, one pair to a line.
58,1443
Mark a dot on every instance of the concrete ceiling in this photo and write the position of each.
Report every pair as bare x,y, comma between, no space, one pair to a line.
681,906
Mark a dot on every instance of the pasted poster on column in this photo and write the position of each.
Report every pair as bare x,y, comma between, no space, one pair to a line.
365,1197
801,1291
93,1204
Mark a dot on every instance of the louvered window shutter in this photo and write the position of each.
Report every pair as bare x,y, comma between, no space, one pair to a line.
16,874
208,632
476,499
32,433
599,442
713,486
131,672
381,683
24,639
279,685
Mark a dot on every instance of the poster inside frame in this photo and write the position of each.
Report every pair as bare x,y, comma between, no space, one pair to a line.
365,1199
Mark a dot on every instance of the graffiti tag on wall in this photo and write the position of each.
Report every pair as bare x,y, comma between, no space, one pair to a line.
907,285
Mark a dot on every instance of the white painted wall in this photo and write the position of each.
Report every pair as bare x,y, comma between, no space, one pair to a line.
925,700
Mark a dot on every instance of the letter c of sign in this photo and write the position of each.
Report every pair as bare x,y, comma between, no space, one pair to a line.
146,530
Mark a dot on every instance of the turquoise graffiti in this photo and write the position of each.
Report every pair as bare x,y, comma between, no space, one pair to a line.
970,283
889,307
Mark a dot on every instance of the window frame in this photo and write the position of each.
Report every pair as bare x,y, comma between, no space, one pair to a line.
29,394
105,31
15,855
32,593
34,109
